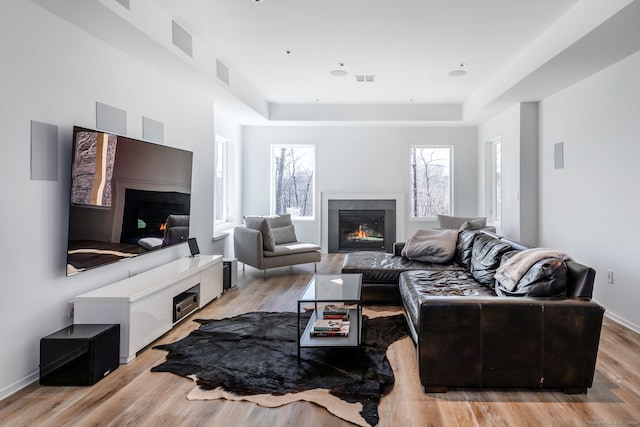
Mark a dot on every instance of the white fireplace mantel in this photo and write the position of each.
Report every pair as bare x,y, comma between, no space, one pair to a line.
325,196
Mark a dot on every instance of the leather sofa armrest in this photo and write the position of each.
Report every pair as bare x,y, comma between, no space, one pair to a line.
248,246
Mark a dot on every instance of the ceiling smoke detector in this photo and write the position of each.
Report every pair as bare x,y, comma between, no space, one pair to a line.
364,78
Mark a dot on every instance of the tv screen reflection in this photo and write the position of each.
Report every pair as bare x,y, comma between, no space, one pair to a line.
128,197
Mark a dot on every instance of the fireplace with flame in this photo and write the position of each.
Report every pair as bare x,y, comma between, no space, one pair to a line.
145,213
361,230
361,225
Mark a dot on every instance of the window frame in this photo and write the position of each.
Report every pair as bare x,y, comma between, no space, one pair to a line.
450,149
272,178
221,158
495,190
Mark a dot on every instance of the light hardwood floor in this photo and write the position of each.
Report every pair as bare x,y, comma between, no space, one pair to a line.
134,396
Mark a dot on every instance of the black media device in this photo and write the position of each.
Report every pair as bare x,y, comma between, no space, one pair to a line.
79,355
193,246
184,304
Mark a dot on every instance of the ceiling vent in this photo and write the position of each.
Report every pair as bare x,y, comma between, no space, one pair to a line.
125,3
222,72
181,38
364,78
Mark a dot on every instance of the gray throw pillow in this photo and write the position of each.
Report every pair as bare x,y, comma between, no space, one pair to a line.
276,221
285,234
474,224
455,222
262,225
282,228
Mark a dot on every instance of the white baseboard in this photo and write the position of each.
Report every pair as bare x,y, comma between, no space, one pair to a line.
623,322
8,391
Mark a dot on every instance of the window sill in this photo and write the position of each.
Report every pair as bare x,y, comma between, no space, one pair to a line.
222,231
303,219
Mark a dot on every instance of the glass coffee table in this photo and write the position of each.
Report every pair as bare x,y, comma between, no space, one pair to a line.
326,289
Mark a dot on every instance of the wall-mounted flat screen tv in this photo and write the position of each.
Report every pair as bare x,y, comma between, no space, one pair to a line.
128,197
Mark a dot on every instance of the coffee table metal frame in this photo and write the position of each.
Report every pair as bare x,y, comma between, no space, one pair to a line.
329,289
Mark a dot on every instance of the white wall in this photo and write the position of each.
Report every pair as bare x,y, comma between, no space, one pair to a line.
588,208
529,123
518,129
358,159
226,128
53,72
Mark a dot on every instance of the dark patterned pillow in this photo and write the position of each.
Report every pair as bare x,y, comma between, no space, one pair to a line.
546,278
464,245
486,256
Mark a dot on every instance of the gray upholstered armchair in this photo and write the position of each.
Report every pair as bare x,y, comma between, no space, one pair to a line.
270,241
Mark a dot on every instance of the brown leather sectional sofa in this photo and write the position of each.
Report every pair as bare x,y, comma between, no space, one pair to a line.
471,334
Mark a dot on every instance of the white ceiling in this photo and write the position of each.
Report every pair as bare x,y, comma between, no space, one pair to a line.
514,51
409,45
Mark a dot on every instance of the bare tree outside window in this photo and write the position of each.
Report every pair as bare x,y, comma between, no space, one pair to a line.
293,175
430,181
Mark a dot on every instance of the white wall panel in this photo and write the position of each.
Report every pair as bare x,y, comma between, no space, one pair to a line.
588,208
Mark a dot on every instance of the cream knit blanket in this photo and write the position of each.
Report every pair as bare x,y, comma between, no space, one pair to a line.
510,273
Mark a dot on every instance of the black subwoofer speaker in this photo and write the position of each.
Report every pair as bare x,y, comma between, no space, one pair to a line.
229,273
79,354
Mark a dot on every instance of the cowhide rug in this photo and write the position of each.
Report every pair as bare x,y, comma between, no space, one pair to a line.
253,357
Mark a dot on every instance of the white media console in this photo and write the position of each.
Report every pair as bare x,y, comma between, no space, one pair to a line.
144,304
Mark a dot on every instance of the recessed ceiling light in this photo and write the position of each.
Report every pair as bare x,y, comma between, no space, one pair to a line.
457,73
287,51
338,73
258,1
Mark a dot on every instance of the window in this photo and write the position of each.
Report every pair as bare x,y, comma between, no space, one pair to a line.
496,180
221,182
431,181
293,180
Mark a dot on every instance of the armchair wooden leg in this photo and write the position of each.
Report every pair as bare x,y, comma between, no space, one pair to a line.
265,274
315,267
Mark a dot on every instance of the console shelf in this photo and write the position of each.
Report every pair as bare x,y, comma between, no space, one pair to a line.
143,304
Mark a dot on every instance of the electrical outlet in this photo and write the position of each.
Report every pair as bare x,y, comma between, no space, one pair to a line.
610,276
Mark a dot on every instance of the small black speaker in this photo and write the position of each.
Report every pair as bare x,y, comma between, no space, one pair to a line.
79,354
193,246
229,273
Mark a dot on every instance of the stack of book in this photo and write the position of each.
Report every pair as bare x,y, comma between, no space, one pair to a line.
330,328
335,312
